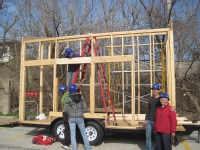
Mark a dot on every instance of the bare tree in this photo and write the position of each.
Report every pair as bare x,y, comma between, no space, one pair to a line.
186,44
52,18
187,48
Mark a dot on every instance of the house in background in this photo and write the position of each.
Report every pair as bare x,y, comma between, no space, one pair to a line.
5,83
8,75
6,57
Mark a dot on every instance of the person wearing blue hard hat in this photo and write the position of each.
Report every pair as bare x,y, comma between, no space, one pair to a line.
69,53
78,107
153,104
65,143
66,92
164,124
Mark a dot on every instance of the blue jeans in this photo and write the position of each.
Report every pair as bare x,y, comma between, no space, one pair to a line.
163,141
70,76
149,133
81,126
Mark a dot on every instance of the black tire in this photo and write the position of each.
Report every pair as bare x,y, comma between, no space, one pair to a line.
94,132
59,128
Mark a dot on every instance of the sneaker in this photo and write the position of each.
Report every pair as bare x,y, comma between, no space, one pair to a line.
65,147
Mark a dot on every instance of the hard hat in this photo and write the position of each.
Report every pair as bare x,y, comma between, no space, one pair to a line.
175,140
69,52
62,88
73,88
164,95
155,86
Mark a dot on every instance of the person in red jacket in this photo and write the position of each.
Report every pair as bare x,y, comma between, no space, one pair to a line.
164,124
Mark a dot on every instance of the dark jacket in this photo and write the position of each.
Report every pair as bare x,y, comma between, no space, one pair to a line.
77,104
73,67
165,120
153,104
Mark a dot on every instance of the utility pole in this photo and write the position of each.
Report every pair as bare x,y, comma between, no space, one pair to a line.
1,2
169,5
1,9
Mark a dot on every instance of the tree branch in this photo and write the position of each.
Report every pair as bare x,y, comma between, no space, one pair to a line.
170,13
191,65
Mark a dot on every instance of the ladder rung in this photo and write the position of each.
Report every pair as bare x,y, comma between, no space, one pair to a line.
82,71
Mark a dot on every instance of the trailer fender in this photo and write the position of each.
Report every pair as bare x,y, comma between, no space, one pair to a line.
53,123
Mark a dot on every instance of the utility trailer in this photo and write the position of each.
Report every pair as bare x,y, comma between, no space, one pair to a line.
121,67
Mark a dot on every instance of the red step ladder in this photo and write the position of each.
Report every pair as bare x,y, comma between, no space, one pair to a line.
86,47
101,72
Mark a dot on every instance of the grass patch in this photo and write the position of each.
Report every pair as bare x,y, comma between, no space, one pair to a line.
10,114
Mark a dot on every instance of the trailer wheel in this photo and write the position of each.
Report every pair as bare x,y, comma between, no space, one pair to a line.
59,128
94,132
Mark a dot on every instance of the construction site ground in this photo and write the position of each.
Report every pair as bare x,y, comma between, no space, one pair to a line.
19,138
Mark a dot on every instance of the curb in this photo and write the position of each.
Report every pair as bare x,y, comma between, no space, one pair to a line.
8,117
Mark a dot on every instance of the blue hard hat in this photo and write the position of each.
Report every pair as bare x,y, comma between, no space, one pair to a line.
164,95
69,52
62,88
73,88
155,86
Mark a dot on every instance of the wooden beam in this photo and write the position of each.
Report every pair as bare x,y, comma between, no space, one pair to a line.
92,88
138,60
94,115
119,46
41,48
129,116
104,59
99,35
123,95
168,67
55,81
133,83
77,60
118,110
45,62
122,127
172,69
44,40
22,83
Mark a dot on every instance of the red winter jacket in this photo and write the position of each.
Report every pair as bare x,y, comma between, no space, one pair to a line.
165,120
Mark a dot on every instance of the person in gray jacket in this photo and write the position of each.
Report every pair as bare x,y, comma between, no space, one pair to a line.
78,106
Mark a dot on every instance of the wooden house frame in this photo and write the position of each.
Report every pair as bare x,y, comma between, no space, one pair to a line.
166,49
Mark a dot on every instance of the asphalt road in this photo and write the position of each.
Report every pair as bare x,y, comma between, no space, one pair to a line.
19,138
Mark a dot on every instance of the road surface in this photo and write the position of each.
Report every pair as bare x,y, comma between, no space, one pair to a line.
19,138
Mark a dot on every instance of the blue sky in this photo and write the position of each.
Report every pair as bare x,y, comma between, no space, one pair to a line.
8,8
